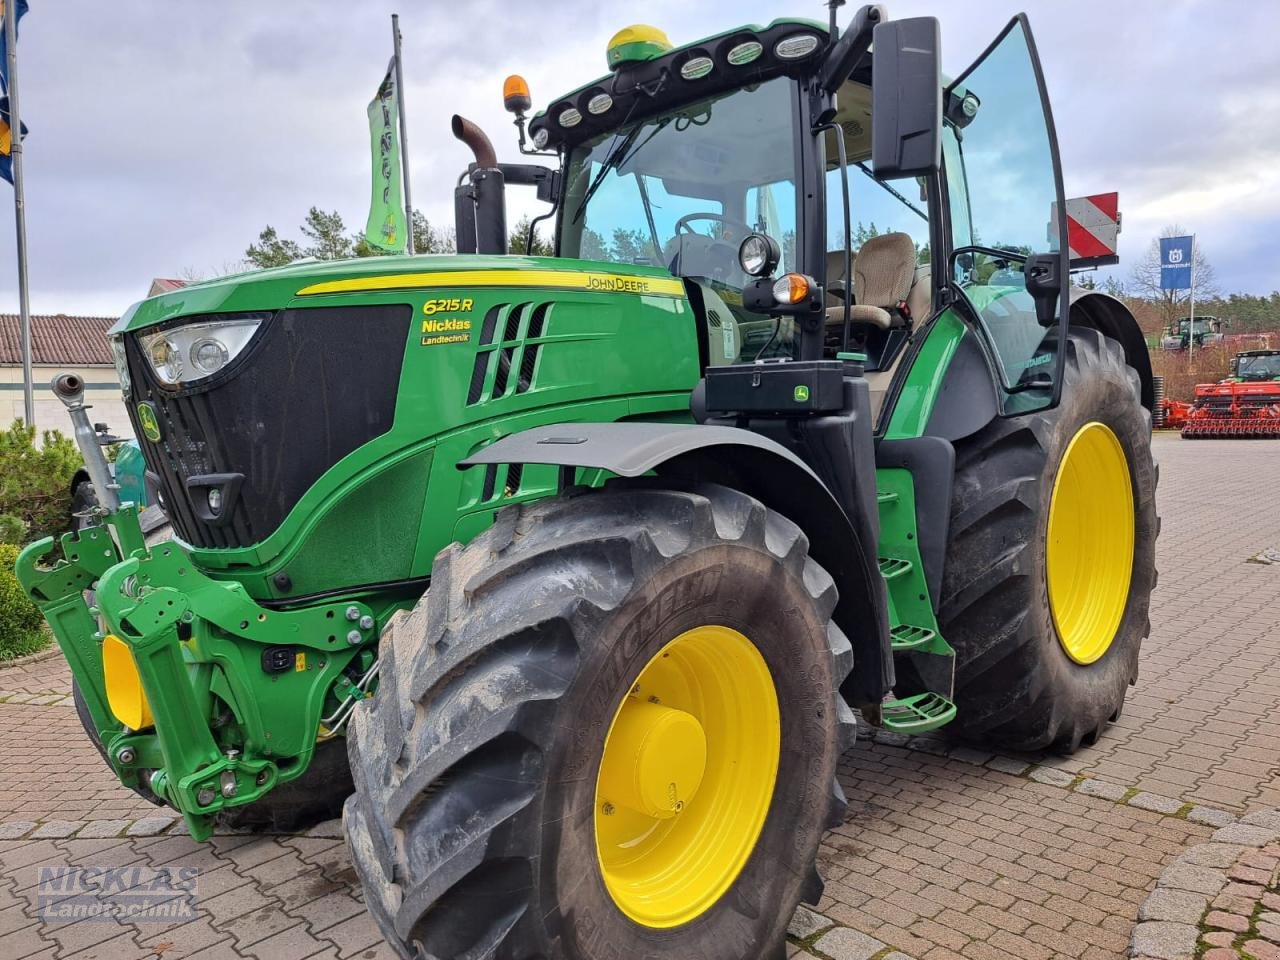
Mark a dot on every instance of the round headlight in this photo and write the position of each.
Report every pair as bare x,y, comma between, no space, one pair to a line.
209,355
570,118
214,498
598,104
795,47
540,137
758,255
165,360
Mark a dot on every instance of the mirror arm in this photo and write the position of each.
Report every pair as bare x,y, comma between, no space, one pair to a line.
849,50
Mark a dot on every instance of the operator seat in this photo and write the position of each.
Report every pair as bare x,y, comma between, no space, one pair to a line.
884,271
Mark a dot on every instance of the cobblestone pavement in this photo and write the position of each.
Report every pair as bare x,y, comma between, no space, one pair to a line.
948,851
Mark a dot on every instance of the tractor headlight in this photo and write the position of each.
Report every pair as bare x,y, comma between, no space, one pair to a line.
122,364
758,255
198,350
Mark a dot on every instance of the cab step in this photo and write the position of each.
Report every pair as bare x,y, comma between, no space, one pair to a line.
917,714
908,637
885,496
891,567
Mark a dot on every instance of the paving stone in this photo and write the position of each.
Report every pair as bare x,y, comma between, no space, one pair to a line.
1009,765
1219,938
1246,835
1182,906
1155,803
1161,940
1221,855
1101,788
149,826
970,755
1184,876
329,829
1219,920
845,944
55,829
895,956
805,923
13,829
1210,816
1262,950
96,829
1056,778
1270,819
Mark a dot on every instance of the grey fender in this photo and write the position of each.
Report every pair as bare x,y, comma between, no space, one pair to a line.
1110,317
758,466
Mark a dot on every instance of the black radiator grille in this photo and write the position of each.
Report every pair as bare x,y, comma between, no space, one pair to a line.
312,386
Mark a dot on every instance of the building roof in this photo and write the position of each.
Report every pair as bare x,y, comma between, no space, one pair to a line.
164,285
57,339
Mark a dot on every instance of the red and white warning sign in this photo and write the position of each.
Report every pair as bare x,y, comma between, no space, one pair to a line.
1093,225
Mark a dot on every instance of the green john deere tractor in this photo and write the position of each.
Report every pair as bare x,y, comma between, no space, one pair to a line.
584,561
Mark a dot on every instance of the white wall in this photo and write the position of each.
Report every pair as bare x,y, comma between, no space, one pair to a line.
102,392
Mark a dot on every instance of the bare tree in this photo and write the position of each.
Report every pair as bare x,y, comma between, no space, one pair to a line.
1144,280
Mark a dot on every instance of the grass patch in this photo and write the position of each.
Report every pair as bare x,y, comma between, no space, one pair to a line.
24,643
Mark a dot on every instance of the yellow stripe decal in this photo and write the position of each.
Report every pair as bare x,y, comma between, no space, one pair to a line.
559,279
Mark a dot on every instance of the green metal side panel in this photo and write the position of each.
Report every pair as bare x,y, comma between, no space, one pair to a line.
924,380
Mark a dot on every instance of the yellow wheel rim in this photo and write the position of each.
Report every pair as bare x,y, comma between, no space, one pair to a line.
687,776
1089,557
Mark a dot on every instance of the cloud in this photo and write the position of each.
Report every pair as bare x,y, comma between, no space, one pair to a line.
167,133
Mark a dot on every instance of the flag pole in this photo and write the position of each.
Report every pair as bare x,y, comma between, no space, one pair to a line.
19,206
1191,331
404,136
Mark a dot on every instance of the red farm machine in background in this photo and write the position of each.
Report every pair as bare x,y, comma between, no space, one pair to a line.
1246,404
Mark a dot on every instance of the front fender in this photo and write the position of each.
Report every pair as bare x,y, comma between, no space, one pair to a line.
1110,317
759,467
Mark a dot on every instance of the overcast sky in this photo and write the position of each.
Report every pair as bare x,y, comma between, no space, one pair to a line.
166,133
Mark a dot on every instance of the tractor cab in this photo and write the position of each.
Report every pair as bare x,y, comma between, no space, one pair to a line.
1256,366
821,195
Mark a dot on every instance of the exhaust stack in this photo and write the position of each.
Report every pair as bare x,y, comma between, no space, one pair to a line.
479,204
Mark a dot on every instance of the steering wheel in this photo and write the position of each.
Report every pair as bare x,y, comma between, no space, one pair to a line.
730,235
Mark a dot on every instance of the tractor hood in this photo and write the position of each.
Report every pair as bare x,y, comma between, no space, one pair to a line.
272,289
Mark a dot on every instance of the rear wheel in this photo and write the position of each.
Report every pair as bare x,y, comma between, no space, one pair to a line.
610,729
1052,558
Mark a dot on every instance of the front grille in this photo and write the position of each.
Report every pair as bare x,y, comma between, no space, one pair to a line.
314,385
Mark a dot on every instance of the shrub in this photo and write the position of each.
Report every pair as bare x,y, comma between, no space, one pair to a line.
21,625
1181,372
35,483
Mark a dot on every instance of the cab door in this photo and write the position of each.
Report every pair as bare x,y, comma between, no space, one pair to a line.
1003,182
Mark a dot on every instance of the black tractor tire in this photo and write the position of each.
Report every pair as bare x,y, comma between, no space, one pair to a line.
471,827
1016,687
315,795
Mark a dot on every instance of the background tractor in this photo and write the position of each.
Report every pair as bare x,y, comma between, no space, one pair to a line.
1208,330
589,558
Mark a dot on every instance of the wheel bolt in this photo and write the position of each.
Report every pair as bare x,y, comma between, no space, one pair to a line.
353,613
607,809
354,637
366,622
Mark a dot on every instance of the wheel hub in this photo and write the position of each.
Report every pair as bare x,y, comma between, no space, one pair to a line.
657,756
687,776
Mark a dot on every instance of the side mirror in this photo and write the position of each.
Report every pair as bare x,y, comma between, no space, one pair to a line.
906,98
1234,365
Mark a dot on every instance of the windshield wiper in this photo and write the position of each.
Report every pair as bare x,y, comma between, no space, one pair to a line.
618,157
903,200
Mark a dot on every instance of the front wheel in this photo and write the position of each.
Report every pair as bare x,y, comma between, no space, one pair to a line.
1051,560
610,729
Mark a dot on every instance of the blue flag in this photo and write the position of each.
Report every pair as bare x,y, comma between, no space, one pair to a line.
6,141
21,8
1175,263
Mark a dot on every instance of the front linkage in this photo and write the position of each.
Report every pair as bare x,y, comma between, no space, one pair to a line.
224,699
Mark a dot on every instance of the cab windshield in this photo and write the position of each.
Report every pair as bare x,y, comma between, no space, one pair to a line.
1264,367
682,189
